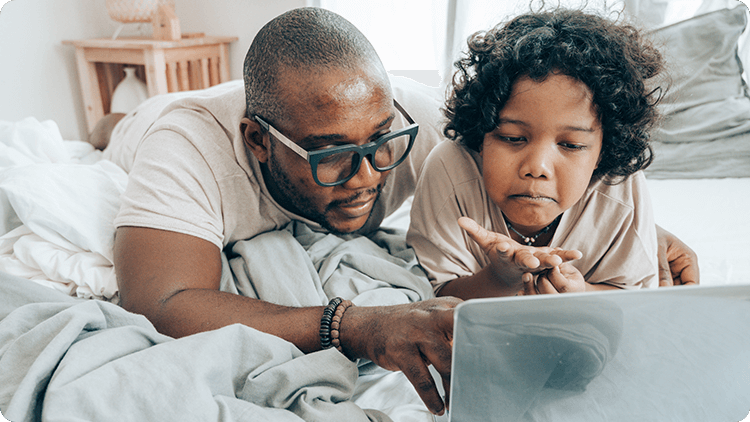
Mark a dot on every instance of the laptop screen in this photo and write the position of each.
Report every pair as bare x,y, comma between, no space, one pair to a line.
671,354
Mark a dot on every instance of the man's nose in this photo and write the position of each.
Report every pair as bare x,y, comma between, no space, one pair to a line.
365,177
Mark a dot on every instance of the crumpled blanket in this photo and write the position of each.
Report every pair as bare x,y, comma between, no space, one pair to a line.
296,266
57,203
63,358
56,350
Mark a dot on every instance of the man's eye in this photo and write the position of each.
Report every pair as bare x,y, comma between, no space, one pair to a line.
330,159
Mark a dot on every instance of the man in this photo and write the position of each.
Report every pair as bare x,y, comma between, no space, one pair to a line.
221,167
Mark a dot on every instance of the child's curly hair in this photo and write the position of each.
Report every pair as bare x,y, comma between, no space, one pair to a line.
613,60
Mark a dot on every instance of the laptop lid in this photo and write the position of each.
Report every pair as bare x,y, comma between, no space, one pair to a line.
672,354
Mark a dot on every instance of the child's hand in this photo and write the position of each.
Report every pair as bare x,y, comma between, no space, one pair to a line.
509,259
564,278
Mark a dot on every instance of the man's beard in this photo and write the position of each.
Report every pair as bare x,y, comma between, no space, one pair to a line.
302,203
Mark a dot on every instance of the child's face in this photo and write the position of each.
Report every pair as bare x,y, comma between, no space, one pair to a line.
538,162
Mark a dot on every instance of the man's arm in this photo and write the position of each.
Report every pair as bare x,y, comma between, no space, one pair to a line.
173,279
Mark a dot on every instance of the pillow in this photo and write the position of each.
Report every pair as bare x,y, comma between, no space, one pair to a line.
708,98
69,205
707,107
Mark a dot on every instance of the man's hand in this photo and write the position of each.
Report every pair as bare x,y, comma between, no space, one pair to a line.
678,264
509,260
405,338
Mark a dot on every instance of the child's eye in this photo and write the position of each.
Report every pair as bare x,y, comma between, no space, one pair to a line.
572,147
511,140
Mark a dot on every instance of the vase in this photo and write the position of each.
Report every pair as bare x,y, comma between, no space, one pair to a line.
130,92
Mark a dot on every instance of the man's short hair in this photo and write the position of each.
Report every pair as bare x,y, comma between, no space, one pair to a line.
304,38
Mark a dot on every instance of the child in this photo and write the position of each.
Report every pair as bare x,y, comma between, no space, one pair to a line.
551,116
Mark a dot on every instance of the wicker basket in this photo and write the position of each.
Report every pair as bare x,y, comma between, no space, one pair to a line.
127,11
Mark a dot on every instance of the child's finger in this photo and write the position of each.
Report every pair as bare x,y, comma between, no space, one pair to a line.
544,285
549,260
558,280
475,231
569,255
525,258
528,284
485,238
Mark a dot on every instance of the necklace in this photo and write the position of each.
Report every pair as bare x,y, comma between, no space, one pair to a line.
529,240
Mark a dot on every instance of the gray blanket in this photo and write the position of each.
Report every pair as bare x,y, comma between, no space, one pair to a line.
299,267
63,358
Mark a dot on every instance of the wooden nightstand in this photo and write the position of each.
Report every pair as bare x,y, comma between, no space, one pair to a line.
167,66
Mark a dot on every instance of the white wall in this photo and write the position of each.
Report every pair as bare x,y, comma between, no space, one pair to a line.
38,75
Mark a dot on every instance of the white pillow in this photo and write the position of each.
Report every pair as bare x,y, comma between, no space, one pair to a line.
67,204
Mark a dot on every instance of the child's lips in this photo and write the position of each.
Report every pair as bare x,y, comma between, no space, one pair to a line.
532,197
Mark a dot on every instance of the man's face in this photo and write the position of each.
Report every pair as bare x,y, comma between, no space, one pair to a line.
329,108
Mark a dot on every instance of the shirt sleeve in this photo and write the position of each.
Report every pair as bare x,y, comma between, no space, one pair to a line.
630,257
171,187
443,249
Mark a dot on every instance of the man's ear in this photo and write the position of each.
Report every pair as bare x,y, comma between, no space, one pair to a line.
255,138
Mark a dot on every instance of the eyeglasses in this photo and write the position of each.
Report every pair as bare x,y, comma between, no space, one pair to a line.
337,164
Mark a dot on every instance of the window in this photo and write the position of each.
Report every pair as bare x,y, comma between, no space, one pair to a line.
422,38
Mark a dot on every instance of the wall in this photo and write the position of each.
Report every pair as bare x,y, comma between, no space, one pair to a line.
38,75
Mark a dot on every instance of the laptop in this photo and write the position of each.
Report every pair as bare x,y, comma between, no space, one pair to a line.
672,354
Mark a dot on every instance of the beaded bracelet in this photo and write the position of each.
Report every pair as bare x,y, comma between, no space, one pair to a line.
336,323
330,323
325,322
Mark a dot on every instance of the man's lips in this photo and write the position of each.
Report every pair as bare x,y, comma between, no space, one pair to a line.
357,207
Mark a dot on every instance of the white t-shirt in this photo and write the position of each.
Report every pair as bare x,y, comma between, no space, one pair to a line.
613,226
190,171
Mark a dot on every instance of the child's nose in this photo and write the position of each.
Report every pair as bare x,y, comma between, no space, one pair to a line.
538,162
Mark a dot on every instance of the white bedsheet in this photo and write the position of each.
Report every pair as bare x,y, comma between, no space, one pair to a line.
711,216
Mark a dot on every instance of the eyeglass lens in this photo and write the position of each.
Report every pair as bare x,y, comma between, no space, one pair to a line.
340,166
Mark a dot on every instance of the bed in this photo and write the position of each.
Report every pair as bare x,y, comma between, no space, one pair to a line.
69,352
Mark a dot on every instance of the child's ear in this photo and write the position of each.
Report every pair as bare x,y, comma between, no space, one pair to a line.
255,138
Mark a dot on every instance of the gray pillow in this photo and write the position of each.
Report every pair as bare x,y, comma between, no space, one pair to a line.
708,99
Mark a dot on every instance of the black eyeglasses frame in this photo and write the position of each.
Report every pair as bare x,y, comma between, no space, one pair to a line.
365,151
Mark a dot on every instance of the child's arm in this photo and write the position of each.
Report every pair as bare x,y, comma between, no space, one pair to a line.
509,260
